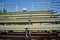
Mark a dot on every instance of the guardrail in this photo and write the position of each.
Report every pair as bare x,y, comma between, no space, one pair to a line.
30,27
32,20
30,14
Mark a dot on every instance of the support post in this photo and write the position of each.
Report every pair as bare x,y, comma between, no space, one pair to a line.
27,34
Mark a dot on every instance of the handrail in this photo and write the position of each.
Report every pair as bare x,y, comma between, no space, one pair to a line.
30,27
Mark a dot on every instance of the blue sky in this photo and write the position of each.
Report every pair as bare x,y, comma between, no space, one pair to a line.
22,1
27,4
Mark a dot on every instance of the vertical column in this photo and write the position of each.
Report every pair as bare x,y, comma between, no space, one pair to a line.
16,8
29,21
27,34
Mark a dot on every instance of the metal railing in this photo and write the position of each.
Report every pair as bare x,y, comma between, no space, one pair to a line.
30,27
